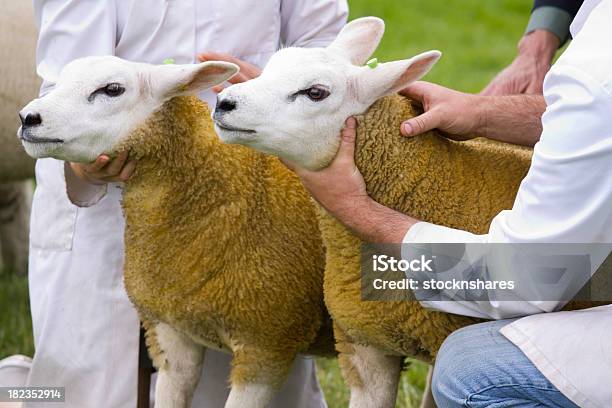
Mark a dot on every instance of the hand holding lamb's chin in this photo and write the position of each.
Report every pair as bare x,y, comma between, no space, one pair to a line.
342,174
105,170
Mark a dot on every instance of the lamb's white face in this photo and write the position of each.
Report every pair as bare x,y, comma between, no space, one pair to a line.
298,106
97,101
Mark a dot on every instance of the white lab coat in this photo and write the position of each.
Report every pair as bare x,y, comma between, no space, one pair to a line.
566,197
85,328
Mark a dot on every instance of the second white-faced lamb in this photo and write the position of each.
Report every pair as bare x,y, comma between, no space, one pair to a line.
296,110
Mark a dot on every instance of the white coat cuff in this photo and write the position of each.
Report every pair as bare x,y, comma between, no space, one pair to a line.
425,232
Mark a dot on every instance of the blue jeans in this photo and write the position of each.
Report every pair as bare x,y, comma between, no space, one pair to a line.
478,367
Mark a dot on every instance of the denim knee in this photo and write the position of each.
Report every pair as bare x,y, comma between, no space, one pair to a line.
451,369
478,367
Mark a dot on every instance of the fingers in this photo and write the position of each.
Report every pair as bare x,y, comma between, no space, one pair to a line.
506,84
425,93
217,56
490,90
238,78
100,162
347,141
535,88
247,72
114,167
420,124
105,170
419,90
498,89
127,171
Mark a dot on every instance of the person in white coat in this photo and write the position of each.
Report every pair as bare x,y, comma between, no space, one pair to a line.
86,331
558,359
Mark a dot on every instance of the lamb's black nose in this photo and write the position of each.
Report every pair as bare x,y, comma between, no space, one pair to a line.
225,105
30,119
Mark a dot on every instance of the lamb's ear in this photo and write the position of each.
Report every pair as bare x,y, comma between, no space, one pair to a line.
168,81
358,40
390,77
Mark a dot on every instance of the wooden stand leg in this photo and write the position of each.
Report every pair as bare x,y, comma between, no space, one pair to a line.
145,369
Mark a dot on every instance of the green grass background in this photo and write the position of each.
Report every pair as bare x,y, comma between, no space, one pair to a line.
477,38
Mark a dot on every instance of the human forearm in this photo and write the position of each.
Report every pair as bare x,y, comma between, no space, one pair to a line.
540,45
515,119
371,221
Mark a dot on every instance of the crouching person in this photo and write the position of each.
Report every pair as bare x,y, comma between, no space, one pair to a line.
558,359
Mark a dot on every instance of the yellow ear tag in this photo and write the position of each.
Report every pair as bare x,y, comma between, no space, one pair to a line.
168,61
372,63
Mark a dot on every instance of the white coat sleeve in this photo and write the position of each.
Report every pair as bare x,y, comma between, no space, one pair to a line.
566,196
71,29
312,23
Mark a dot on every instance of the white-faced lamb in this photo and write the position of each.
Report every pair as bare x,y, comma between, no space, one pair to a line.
296,110
222,243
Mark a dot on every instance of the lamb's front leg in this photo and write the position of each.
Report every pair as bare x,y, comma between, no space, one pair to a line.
428,399
179,363
371,375
256,376
250,396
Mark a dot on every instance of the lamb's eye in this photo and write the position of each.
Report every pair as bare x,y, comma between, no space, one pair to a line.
114,89
316,93
111,90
